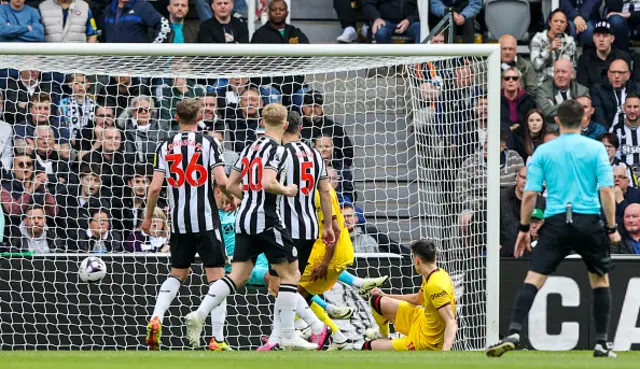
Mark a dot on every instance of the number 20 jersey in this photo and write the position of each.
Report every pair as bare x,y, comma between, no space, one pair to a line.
259,210
187,160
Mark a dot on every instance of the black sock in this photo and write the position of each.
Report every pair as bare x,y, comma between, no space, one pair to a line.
521,307
602,313
366,346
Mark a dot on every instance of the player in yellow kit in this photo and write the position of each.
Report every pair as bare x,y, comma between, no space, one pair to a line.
427,318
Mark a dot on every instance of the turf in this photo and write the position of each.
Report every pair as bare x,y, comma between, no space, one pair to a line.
311,360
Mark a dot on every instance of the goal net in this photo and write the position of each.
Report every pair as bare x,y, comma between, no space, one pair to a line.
403,133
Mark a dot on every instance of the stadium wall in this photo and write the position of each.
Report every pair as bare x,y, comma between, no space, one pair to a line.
561,317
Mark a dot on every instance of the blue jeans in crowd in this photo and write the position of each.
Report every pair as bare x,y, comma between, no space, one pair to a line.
203,8
384,34
585,38
623,30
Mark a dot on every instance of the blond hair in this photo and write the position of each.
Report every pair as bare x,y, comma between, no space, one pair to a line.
274,115
188,111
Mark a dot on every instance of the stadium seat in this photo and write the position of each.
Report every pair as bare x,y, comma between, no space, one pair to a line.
516,24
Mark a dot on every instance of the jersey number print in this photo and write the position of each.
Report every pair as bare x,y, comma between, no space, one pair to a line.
255,182
306,176
181,175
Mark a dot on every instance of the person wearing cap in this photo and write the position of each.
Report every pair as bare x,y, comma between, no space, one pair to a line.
594,62
537,221
582,15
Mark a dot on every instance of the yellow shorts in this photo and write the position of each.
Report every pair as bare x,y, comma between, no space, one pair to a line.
410,322
343,257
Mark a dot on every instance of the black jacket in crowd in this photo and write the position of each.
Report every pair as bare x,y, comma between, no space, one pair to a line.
592,69
212,31
394,11
626,243
604,102
510,219
524,104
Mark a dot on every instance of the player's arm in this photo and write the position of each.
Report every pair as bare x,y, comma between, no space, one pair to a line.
221,181
271,184
234,184
451,327
152,200
414,298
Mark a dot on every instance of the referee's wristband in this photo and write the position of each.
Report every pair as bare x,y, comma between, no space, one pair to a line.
612,230
524,227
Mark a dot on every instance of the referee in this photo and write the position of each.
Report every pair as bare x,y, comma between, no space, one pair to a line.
579,178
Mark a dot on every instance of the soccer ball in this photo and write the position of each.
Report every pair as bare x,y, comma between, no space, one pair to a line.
92,269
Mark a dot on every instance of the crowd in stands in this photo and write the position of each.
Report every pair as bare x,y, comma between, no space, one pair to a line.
76,151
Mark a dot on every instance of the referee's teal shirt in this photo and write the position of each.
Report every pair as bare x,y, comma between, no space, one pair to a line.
573,167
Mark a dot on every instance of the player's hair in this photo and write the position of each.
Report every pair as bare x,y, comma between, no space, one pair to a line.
274,115
612,138
425,250
570,113
295,122
187,111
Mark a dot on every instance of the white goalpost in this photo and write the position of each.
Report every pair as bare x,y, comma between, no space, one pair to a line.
407,153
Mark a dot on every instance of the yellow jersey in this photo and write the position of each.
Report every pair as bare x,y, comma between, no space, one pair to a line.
437,292
343,256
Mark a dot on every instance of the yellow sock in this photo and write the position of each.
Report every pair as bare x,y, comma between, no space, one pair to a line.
383,323
323,316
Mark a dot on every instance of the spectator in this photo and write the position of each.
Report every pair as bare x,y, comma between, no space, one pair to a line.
527,137
242,130
623,192
609,97
49,160
630,243
112,161
98,237
582,14
590,128
611,143
181,32
549,46
20,23
627,132
209,113
40,114
430,78
277,31
119,90
516,102
464,15
23,188
204,10
229,91
624,17
180,89
223,27
594,62
509,59
510,203
6,144
20,92
362,243
121,26
389,17
77,110
347,17
324,144
68,21
554,91
470,141
143,131
35,236
91,135
134,201
157,241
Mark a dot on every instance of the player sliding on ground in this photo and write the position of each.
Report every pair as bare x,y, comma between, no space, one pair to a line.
579,178
256,179
427,318
190,161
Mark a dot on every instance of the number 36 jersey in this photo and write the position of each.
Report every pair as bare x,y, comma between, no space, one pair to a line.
259,209
187,160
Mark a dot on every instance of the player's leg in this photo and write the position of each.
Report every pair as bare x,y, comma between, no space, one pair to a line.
601,314
182,255
384,311
364,284
552,248
407,319
334,311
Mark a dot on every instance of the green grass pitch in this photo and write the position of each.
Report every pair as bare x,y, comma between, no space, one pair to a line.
311,360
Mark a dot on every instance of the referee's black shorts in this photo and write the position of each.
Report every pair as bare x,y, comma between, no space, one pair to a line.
275,242
208,244
304,251
586,236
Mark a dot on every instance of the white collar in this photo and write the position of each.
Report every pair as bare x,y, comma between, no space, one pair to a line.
104,238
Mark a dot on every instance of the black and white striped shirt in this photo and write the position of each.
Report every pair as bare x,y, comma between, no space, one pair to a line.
188,159
259,209
629,149
305,168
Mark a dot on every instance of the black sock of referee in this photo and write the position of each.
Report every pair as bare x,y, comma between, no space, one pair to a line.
602,313
521,307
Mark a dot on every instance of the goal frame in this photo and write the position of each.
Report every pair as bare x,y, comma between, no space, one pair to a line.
490,51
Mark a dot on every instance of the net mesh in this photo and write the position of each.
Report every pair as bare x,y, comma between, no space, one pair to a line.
403,135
